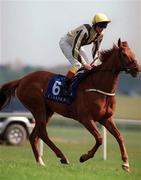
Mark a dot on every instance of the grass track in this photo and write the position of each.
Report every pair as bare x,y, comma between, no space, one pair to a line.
18,162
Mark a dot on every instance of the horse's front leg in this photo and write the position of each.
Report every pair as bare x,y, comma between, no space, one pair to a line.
112,128
91,127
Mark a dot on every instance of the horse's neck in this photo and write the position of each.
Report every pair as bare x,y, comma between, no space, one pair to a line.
105,78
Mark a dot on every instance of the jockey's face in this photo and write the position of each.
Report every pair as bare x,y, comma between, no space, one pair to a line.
99,29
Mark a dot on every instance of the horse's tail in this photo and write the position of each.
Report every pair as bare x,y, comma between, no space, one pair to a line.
7,90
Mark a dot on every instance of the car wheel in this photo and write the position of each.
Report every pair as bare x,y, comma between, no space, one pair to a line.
15,134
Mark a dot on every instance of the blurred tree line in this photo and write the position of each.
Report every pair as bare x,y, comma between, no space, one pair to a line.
126,84
8,73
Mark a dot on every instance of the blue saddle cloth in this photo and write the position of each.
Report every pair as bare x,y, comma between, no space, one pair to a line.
55,85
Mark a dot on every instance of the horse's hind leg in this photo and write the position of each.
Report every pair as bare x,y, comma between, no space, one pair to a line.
36,105
42,114
42,133
34,137
91,126
111,127
34,140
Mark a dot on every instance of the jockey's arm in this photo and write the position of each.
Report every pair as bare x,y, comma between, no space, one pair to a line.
77,45
96,45
76,49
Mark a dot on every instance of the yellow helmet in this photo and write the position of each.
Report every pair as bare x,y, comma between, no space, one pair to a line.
100,17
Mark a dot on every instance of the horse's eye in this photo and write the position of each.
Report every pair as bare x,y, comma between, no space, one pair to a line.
124,54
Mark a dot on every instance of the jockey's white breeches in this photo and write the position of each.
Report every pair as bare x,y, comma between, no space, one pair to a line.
66,47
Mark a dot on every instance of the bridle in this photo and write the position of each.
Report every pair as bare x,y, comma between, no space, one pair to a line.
124,66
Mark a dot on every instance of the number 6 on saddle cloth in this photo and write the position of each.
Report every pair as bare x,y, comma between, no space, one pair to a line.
53,91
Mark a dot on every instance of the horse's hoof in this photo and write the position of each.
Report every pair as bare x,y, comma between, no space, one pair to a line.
125,168
64,161
41,162
82,159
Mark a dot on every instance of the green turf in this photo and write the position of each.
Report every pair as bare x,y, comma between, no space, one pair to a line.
17,163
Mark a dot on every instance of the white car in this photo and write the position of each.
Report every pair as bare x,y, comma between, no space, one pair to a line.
15,129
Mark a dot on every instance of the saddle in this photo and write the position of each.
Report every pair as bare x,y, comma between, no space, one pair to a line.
54,89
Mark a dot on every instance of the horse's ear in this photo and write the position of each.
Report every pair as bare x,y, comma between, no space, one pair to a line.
119,42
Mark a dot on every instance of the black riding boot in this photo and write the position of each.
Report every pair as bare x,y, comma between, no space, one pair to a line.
65,87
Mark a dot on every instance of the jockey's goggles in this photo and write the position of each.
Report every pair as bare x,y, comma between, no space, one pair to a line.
102,24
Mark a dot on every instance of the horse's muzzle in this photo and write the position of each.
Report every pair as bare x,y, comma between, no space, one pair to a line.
134,72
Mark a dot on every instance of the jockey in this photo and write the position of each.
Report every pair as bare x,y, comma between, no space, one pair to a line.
71,44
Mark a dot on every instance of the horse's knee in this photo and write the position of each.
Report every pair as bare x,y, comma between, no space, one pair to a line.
120,138
33,135
99,141
33,139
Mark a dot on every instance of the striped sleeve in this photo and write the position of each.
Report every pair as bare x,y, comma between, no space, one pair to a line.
96,45
78,41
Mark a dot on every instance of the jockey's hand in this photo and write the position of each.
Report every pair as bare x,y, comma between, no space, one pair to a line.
87,66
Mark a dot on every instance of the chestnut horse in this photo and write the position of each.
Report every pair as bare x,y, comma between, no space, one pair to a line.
95,101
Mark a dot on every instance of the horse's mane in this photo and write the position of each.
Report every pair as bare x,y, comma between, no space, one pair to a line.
104,54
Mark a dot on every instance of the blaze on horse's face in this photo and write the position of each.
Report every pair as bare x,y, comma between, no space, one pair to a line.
127,58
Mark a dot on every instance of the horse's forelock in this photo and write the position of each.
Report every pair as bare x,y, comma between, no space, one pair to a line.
125,44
